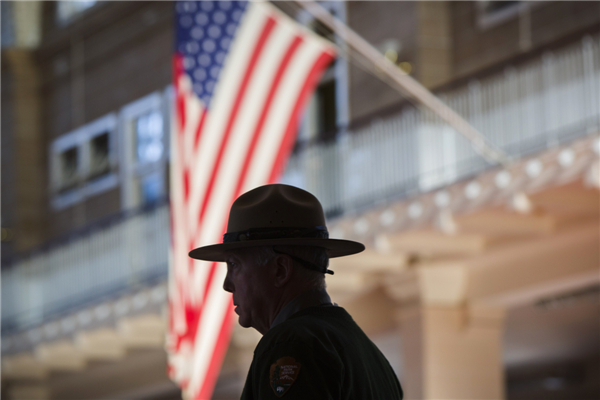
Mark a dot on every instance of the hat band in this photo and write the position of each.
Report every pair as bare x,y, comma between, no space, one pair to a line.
318,232
306,264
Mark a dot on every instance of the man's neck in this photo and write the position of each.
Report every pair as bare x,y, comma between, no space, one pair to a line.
309,298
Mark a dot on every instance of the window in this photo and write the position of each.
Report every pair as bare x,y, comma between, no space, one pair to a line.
326,117
327,110
152,187
67,11
149,137
492,13
322,30
69,161
83,162
492,7
144,155
99,156
7,25
321,117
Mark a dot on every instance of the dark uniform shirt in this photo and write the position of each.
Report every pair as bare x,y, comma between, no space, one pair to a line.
315,350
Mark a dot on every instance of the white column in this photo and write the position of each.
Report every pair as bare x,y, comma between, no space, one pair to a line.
452,352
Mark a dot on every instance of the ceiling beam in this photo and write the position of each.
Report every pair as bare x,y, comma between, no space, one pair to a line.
572,198
28,391
348,284
528,264
430,242
61,355
22,366
533,293
502,222
100,344
142,331
371,261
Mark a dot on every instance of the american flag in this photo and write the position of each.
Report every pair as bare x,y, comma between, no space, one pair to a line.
243,74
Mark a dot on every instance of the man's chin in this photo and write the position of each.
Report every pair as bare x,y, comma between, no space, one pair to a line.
243,323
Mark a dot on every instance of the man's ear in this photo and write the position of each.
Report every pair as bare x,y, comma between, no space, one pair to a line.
284,269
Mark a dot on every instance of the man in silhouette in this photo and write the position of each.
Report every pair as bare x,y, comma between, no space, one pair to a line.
277,251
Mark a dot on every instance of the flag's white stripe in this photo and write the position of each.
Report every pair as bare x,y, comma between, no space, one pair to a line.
209,327
186,227
175,308
193,112
226,91
281,111
246,121
184,361
179,233
177,258
176,184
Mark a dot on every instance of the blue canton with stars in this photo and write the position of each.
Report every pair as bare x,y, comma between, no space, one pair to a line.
205,30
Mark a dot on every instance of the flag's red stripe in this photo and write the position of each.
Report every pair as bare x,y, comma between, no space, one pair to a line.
179,98
186,184
184,173
208,284
266,31
214,366
172,244
266,107
184,383
199,129
180,103
290,133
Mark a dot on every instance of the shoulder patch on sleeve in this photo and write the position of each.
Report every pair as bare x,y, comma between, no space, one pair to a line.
283,374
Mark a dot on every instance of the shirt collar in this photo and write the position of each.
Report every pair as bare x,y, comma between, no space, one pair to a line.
307,299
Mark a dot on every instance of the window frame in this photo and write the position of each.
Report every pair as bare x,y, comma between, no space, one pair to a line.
131,169
338,72
81,138
68,17
487,20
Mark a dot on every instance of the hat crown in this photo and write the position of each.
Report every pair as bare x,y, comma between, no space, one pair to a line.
275,206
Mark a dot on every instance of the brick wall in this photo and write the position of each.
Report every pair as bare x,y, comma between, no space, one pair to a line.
112,55
26,181
392,20
476,47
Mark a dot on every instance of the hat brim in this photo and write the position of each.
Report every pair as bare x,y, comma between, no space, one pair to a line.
335,247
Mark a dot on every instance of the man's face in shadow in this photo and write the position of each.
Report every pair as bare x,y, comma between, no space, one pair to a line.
252,287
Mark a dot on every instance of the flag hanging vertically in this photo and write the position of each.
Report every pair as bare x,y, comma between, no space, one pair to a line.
243,74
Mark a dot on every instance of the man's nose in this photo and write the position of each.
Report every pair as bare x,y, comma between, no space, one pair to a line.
227,285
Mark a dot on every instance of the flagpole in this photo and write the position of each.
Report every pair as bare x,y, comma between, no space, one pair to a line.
407,83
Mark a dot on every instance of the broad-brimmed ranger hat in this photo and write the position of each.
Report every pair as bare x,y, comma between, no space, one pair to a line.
276,215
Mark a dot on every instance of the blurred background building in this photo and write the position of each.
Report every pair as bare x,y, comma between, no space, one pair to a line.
479,281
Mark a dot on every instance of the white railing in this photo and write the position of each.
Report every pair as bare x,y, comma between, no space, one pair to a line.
118,257
548,101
